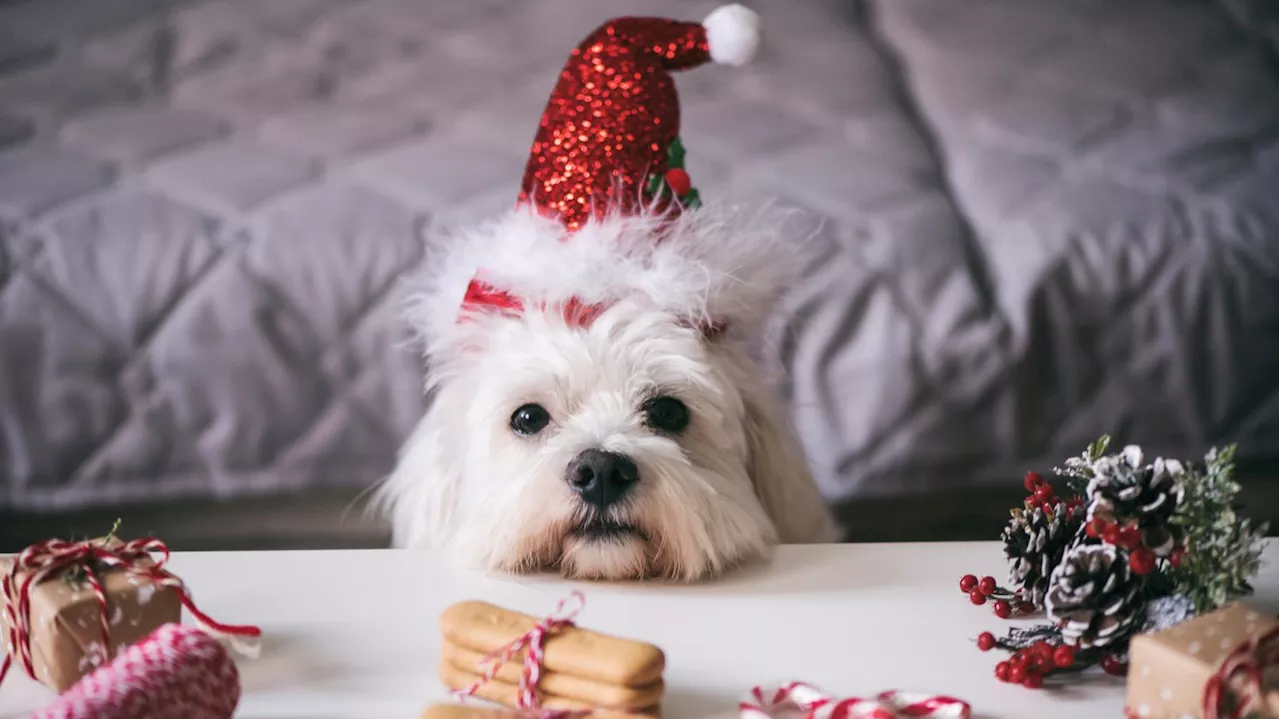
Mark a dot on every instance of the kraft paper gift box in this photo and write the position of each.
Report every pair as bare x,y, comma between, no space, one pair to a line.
65,621
1169,670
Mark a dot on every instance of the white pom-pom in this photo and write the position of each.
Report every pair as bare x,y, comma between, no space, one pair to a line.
733,34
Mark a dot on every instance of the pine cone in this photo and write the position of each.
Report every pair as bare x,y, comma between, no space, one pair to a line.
1124,490
1034,543
1093,596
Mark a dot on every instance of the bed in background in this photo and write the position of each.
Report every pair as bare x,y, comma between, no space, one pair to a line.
1042,221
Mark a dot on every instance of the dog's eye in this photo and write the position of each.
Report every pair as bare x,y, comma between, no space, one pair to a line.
529,419
666,414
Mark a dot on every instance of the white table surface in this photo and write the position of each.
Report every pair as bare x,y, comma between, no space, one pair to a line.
353,635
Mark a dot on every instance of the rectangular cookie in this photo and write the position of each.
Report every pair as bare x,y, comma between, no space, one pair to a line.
483,627
598,694
476,711
508,695
467,711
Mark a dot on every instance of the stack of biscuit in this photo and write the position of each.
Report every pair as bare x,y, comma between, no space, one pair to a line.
582,669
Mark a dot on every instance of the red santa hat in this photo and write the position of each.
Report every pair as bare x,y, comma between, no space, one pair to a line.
610,134
606,208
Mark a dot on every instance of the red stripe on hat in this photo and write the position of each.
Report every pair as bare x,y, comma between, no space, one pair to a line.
482,296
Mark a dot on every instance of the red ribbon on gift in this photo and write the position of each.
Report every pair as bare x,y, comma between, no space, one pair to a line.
1242,662
533,659
143,558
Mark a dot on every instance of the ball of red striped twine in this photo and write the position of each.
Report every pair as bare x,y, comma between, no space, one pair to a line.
176,672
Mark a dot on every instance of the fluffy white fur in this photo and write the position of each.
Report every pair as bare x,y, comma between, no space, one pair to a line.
723,491
720,262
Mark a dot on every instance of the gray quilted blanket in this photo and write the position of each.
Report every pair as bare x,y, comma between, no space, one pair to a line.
1044,220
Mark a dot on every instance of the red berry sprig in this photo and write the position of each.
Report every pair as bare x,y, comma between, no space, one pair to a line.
1029,665
1002,609
1041,494
1064,656
986,642
1008,603
1005,602
1142,561
1113,666
1129,537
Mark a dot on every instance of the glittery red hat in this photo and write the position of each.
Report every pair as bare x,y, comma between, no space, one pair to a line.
610,134
607,146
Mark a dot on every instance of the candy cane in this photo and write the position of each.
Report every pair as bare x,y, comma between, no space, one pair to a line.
762,703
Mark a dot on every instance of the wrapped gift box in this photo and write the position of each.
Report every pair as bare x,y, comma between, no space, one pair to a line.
1169,670
66,620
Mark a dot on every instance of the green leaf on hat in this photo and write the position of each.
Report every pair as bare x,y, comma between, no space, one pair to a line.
675,154
655,185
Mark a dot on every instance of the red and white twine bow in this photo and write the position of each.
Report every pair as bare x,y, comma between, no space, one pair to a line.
1242,663
533,640
143,558
761,703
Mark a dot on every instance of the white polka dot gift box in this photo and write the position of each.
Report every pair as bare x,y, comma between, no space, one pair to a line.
1219,665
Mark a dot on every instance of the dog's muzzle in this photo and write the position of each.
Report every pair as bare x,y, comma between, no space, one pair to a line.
601,478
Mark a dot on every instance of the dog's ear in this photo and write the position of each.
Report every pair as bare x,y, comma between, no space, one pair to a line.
420,496
781,476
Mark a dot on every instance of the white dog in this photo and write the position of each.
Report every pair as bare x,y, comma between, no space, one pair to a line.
635,447
597,405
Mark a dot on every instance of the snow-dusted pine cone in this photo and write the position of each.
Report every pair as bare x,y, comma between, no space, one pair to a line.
1093,596
1124,489
1034,543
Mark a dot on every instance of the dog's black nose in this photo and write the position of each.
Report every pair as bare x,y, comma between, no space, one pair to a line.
602,478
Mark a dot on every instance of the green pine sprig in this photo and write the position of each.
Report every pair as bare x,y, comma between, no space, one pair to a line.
1223,549
75,576
1079,470
115,527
